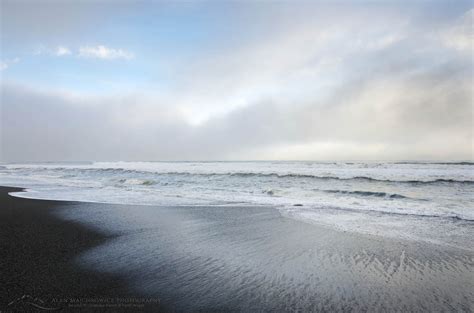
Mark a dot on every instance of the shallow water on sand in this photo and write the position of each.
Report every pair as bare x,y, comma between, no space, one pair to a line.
253,259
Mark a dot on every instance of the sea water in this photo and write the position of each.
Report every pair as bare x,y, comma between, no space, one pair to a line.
421,201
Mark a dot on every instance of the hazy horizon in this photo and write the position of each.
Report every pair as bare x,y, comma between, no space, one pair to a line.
241,161
204,81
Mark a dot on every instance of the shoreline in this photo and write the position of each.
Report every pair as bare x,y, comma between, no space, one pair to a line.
38,265
372,236
203,259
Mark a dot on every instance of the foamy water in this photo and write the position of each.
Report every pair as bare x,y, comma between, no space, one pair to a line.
430,202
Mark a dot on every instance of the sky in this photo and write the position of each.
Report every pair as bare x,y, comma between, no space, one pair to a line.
236,80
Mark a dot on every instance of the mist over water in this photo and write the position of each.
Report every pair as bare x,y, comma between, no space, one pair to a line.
430,202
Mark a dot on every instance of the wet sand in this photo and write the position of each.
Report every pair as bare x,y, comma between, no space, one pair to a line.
221,259
37,267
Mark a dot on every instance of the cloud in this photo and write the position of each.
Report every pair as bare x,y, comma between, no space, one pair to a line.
7,63
73,126
380,83
103,52
460,36
62,50
100,52
421,114
306,58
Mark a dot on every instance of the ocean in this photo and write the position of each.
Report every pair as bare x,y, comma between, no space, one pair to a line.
420,201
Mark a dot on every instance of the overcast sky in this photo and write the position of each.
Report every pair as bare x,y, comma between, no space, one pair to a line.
241,80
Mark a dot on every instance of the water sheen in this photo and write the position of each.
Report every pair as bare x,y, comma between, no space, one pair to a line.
252,259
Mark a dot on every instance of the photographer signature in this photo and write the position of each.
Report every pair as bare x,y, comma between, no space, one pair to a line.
34,302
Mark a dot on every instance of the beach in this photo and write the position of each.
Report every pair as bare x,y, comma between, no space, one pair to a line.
37,261
236,156
215,259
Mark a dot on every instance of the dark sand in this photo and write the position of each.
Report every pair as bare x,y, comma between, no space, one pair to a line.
215,259
36,264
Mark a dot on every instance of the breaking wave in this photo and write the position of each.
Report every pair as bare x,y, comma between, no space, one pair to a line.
122,171
450,217
369,194
437,163
133,181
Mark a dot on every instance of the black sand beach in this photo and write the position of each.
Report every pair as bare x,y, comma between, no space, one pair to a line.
37,269
215,259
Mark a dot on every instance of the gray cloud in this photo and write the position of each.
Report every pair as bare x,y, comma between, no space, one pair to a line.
384,88
411,115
